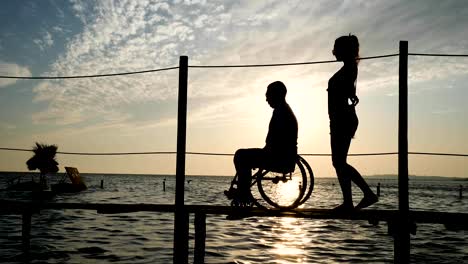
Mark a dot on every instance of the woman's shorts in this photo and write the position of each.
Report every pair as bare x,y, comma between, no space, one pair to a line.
344,127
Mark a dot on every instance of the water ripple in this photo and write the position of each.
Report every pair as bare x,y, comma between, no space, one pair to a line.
81,236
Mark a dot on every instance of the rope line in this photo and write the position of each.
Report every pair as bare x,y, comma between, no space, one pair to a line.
438,55
355,154
98,153
173,68
219,66
84,76
230,154
439,154
284,64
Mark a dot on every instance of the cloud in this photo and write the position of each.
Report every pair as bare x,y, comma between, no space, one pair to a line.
57,29
11,69
436,68
7,126
58,10
45,42
139,35
120,37
445,111
7,129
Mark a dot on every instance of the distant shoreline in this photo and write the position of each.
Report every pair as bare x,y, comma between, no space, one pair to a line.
376,176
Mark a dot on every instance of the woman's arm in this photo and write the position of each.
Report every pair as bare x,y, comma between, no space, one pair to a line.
350,79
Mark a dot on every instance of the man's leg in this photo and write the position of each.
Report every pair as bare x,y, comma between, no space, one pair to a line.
244,161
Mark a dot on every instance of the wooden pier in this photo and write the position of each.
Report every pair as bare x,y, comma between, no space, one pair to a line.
401,222
391,217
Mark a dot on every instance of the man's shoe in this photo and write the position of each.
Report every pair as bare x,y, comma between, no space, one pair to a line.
231,193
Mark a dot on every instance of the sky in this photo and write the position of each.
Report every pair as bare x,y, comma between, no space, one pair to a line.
226,106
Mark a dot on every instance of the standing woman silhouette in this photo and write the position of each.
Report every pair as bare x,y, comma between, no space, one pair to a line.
342,101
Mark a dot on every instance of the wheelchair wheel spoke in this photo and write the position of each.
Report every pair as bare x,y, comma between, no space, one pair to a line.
279,190
283,190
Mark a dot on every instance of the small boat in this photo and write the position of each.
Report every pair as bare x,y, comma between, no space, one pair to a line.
76,182
29,190
26,186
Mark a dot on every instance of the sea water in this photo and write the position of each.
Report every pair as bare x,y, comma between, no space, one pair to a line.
84,236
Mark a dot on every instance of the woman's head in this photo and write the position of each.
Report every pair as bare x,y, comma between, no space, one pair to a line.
346,48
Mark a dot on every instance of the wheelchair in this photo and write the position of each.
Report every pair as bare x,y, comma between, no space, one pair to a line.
276,188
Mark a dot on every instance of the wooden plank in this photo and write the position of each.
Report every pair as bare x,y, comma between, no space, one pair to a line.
18,207
26,230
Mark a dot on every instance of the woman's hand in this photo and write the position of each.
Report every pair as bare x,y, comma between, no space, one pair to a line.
354,100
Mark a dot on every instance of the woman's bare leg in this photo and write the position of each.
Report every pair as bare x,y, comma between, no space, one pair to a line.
345,184
369,197
340,146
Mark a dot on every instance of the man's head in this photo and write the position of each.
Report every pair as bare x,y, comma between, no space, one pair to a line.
276,94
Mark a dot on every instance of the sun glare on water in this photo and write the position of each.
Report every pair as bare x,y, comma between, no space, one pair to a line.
291,240
289,190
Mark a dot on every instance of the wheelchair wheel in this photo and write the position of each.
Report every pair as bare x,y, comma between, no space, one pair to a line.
281,190
310,180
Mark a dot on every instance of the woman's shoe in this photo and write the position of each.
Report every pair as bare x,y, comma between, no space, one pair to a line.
367,201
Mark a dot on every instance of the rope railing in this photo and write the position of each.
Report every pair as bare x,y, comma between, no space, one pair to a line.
437,55
227,66
285,64
85,76
220,66
230,154
173,68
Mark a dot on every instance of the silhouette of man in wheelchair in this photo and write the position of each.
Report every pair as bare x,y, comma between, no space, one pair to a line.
280,151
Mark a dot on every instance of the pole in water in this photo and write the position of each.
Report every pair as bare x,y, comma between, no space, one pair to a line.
378,189
461,191
102,184
181,216
164,185
402,241
26,231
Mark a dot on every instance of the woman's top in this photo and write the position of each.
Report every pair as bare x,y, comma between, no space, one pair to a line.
341,87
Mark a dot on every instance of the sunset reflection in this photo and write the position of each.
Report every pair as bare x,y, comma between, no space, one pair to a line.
289,190
290,240
282,190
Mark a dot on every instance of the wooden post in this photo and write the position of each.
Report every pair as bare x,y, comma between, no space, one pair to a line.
26,230
180,214
102,184
200,237
378,189
461,191
402,236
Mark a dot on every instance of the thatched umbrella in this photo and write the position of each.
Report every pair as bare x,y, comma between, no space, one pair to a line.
43,160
